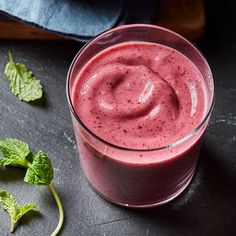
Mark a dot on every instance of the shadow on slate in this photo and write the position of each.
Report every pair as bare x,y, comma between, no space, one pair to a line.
30,216
11,174
41,102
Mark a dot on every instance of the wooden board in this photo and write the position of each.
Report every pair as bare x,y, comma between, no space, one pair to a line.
186,17
10,29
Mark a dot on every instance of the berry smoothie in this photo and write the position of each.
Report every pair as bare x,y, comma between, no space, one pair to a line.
143,97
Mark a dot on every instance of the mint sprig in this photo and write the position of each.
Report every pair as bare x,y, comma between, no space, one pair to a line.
22,81
15,211
39,168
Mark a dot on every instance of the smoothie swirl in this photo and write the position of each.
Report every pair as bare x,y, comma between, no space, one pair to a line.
140,95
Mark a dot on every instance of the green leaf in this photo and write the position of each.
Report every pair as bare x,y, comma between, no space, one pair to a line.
40,171
22,81
15,152
15,211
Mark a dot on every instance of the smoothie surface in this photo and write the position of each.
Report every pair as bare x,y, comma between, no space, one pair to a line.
140,95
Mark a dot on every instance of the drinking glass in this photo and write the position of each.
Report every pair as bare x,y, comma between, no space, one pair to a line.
117,173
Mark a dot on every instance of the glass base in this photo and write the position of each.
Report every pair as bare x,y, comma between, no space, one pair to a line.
170,198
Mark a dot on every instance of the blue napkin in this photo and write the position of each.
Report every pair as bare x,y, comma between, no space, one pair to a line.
79,19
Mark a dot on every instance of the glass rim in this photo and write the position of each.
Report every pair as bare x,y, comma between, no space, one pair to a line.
171,145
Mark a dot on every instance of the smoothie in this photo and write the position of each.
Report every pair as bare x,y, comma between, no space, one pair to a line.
140,96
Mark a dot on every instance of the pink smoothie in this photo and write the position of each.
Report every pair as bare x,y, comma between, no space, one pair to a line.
141,96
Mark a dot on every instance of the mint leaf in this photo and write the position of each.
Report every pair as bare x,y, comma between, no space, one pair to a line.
14,147
40,171
15,211
22,81
15,152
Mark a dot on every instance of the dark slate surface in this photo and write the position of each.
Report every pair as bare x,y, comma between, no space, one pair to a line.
207,207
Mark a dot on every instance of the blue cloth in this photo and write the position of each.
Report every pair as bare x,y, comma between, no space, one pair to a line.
79,19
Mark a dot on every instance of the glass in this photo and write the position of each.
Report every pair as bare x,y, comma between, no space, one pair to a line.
168,170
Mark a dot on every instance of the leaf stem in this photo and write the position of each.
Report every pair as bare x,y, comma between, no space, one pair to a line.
25,163
10,57
12,226
60,208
